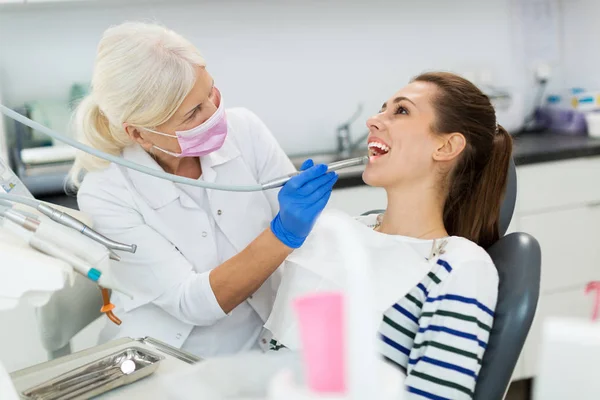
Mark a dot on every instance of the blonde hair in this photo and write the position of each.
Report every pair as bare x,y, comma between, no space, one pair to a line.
142,74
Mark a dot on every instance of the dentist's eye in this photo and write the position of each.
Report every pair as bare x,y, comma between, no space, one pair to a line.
401,110
194,113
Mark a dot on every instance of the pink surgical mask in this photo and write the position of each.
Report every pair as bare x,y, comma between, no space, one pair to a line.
204,139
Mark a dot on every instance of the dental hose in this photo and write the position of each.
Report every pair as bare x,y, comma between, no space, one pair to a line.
121,161
277,182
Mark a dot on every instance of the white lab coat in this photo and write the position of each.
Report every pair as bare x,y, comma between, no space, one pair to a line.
168,275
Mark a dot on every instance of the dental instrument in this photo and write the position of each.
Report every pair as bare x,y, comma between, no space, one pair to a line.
100,277
32,224
84,255
69,221
335,166
17,192
146,170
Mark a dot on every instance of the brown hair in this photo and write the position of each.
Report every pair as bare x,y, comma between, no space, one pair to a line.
477,183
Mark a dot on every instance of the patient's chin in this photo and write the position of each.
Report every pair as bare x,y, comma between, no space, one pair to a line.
374,178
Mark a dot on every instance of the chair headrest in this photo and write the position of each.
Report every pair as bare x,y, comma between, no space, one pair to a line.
510,199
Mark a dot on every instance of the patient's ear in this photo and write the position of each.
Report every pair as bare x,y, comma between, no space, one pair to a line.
449,146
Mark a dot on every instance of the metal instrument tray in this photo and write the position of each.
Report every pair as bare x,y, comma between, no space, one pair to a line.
96,377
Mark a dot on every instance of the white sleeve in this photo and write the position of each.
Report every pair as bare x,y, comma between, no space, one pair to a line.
157,272
271,160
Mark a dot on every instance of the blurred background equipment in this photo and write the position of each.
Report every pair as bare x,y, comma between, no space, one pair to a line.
41,162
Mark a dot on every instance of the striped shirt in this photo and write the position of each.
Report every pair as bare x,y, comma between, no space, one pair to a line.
437,333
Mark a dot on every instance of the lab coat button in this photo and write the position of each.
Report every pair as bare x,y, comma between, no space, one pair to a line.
219,212
264,341
178,336
204,234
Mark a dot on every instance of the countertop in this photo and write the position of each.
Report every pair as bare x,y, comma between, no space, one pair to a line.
546,147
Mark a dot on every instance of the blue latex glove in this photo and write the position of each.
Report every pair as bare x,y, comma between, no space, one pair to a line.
301,201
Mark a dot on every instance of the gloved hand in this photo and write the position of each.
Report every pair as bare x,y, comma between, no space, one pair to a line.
301,201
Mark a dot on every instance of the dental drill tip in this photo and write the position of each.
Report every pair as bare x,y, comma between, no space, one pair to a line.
114,256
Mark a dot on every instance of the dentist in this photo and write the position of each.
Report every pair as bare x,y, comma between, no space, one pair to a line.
205,273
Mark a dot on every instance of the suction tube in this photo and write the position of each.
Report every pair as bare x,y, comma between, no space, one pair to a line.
160,174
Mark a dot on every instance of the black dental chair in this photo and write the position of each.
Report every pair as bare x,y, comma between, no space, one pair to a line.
518,259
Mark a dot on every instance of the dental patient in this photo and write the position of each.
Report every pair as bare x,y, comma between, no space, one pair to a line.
438,151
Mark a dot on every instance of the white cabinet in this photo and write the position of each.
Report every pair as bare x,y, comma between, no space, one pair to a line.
562,184
558,203
569,239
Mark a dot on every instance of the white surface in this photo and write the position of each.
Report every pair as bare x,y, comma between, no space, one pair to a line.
563,184
569,360
569,242
147,388
56,1
7,389
285,387
212,379
539,22
21,346
557,203
593,123
3,134
581,55
26,275
274,57
51,154
571,303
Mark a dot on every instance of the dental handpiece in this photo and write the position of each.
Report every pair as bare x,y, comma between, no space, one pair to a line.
335,166
66,220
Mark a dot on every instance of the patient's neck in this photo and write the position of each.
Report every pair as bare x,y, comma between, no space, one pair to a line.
414,212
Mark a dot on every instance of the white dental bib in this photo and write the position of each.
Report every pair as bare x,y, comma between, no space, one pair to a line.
319,266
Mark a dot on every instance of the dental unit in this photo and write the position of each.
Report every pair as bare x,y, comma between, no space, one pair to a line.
71,222
85,256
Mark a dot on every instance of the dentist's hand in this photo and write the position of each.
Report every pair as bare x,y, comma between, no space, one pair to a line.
301,201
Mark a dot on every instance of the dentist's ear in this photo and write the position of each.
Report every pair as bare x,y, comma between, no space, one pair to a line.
450,146
135,135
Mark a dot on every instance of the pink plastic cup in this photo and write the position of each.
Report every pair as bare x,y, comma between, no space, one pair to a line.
321,323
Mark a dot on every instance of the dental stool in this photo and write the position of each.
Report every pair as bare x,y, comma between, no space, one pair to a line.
517,257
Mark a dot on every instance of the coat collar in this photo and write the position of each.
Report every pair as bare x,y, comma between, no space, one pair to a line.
160,192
